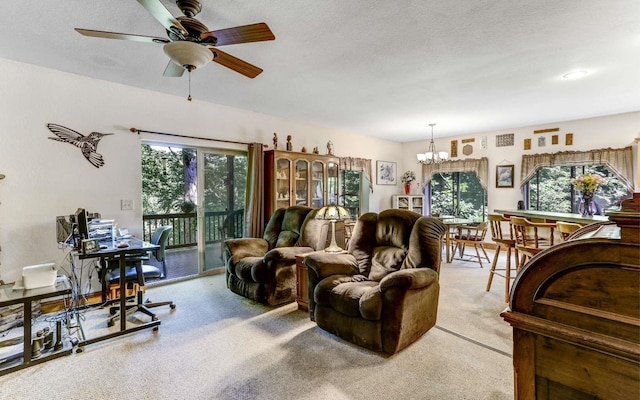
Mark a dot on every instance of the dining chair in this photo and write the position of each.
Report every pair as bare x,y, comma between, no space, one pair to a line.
531,237
503,240
472,235
566,229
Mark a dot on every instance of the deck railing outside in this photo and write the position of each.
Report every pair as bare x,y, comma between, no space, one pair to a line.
184,232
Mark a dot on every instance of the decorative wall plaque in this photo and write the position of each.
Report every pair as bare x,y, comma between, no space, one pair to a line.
467,149
504,140
454,148
546,130
483,142
468,140
554,139
542,141
527,144
88,144
568,139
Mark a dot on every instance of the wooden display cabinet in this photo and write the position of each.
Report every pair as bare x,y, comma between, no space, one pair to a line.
304,179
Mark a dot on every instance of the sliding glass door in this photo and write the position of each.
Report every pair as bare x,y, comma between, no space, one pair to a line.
201,194
223,185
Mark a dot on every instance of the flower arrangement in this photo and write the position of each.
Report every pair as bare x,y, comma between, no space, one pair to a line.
408,177
588,183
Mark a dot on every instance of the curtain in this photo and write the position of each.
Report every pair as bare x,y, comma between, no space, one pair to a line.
480,166
358,164
254,217
618,161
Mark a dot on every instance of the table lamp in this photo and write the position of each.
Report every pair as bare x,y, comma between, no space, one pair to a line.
333,213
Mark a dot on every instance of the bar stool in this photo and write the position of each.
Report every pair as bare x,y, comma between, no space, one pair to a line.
529,237
566,228
502,241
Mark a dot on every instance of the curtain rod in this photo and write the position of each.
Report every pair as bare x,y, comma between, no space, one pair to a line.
138,131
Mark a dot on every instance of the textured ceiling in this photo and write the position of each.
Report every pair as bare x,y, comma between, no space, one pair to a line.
379,68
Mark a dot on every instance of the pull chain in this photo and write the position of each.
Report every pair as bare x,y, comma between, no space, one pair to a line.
189,98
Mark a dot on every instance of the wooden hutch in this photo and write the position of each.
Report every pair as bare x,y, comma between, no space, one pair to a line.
575,312
293,178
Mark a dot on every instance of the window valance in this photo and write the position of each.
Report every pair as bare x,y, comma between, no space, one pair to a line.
618,161
480,166
358,164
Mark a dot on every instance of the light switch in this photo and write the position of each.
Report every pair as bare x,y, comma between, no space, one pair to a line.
126,204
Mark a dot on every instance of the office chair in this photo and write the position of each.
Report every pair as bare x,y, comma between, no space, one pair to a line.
161,238
136,271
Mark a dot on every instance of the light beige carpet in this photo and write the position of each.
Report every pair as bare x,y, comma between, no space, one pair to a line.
217,345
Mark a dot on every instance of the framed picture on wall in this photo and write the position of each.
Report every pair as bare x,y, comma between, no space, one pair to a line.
386,172
504,176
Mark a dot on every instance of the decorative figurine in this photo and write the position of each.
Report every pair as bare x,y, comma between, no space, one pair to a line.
330,148
289,145
275,141
304,149
315,150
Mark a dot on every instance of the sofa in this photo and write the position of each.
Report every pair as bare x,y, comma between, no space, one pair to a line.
263,269
382,294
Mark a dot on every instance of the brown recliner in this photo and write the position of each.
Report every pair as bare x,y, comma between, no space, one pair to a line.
383,293
263,269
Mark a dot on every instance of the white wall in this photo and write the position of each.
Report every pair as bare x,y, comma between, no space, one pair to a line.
615,131
45,178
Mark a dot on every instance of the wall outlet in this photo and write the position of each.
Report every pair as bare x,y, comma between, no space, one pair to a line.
126,204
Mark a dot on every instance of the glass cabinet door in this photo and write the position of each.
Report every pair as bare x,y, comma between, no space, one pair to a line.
317,184
332,183
301,183
283,182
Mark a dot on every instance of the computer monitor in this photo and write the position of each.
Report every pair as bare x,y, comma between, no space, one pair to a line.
82,224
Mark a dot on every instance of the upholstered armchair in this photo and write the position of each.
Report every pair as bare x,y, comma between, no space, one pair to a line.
383,293
263,269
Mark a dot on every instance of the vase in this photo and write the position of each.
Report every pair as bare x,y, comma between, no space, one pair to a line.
407,188
586,205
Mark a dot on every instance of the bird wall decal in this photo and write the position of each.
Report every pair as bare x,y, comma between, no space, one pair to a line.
87,144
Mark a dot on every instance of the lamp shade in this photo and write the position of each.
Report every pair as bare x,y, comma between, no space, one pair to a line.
188,54
333,212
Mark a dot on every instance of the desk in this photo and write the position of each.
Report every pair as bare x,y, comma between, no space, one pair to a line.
553,216
452,222
9,297
136,247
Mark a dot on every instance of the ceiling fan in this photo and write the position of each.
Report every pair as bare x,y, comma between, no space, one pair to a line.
190,43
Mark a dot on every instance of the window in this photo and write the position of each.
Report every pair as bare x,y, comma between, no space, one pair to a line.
459,194
550,189
350,191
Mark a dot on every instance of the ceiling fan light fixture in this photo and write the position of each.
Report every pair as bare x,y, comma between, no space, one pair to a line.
188,54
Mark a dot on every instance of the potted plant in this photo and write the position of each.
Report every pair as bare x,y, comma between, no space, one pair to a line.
407,178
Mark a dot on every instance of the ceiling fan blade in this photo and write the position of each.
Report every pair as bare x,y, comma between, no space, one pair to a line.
121,36
236,64
162,15
240,34
173,70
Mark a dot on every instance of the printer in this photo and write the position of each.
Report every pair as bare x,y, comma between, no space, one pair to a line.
37,276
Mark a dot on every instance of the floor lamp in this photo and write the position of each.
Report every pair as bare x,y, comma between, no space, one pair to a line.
333,213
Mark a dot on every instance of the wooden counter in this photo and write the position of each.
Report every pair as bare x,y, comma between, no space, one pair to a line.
549,216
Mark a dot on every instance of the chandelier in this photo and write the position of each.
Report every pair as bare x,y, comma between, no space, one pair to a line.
432,156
